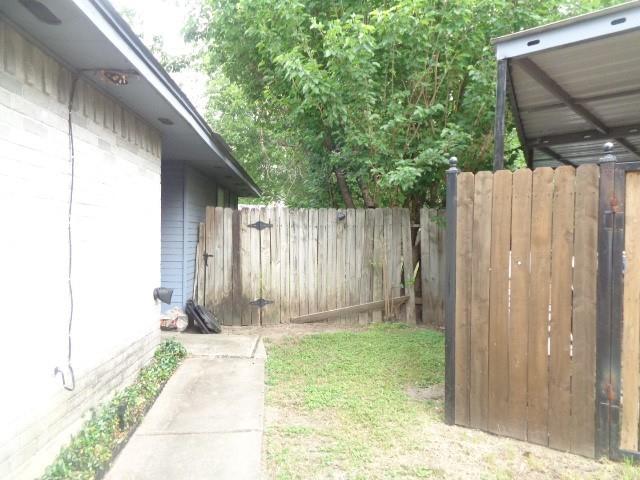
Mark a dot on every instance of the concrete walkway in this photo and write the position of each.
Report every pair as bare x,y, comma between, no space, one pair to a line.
207,423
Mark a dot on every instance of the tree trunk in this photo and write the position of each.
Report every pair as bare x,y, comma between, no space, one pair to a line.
344,188
369,202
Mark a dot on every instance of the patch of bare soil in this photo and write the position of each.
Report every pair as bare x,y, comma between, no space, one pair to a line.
433,392
276,333
429,449
462,453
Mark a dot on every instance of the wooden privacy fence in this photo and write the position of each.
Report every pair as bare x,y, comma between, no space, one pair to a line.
263,266
525,305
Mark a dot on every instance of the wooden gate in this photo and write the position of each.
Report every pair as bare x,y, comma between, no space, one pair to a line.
263,266
524,312
543,305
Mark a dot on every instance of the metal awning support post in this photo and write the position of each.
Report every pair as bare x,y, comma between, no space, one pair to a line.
450,293
605,392
501,100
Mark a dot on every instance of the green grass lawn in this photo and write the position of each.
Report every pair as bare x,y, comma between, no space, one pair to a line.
338,408
346,395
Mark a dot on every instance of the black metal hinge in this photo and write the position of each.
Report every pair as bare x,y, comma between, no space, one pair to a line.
261,302
260,225
206,257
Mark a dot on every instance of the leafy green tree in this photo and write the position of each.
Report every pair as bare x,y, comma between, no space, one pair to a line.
360,102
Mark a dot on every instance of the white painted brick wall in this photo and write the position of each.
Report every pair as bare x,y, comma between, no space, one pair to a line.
116,251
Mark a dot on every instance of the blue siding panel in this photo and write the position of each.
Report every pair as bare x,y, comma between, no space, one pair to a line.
172,231
186,193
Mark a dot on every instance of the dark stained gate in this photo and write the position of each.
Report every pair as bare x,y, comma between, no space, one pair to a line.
619,311
543,305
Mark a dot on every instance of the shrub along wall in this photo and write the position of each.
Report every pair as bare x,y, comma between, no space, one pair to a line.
90,452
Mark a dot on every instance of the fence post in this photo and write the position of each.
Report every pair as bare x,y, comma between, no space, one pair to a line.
604,364
450,295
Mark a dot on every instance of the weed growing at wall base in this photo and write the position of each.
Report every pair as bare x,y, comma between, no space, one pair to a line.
90,452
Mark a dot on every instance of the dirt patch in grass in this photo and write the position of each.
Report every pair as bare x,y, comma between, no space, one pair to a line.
286,331
366,404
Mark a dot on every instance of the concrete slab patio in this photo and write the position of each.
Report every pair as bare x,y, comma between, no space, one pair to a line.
208,421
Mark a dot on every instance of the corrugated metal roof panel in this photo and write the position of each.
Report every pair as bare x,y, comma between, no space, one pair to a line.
602,76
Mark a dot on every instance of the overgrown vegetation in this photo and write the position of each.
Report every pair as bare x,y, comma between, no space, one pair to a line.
343,102
89,453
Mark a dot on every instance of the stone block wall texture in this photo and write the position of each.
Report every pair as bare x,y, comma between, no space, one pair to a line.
115,253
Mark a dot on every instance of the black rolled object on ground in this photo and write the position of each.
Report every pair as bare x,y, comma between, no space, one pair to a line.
203,320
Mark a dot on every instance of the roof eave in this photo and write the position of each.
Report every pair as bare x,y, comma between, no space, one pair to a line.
111,24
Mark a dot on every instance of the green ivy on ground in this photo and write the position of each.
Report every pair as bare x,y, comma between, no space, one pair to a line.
91,450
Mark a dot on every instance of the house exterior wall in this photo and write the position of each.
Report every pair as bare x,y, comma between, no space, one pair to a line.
186,192
115,251
172,263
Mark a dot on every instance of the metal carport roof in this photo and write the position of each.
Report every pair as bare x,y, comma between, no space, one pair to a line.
573,85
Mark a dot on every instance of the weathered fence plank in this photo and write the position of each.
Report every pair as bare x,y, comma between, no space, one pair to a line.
366,262
303,258
198,284
377,262
341,249
364,307
361,276
312,270
322,260
265,290
407,267
583,362
480,264
499,301
516,423
464,237
294,263
350,260
561,296
285,301
236,275
217,299
256,316
245,266
227,259
432,275
388,259
332,293
539,298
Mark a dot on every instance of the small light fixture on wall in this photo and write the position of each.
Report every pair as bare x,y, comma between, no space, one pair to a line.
118,77
115,76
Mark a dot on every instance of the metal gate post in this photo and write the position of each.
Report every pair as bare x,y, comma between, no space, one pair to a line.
605,390
450,293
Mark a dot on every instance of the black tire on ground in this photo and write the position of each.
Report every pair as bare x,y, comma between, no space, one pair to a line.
209,319
195,318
